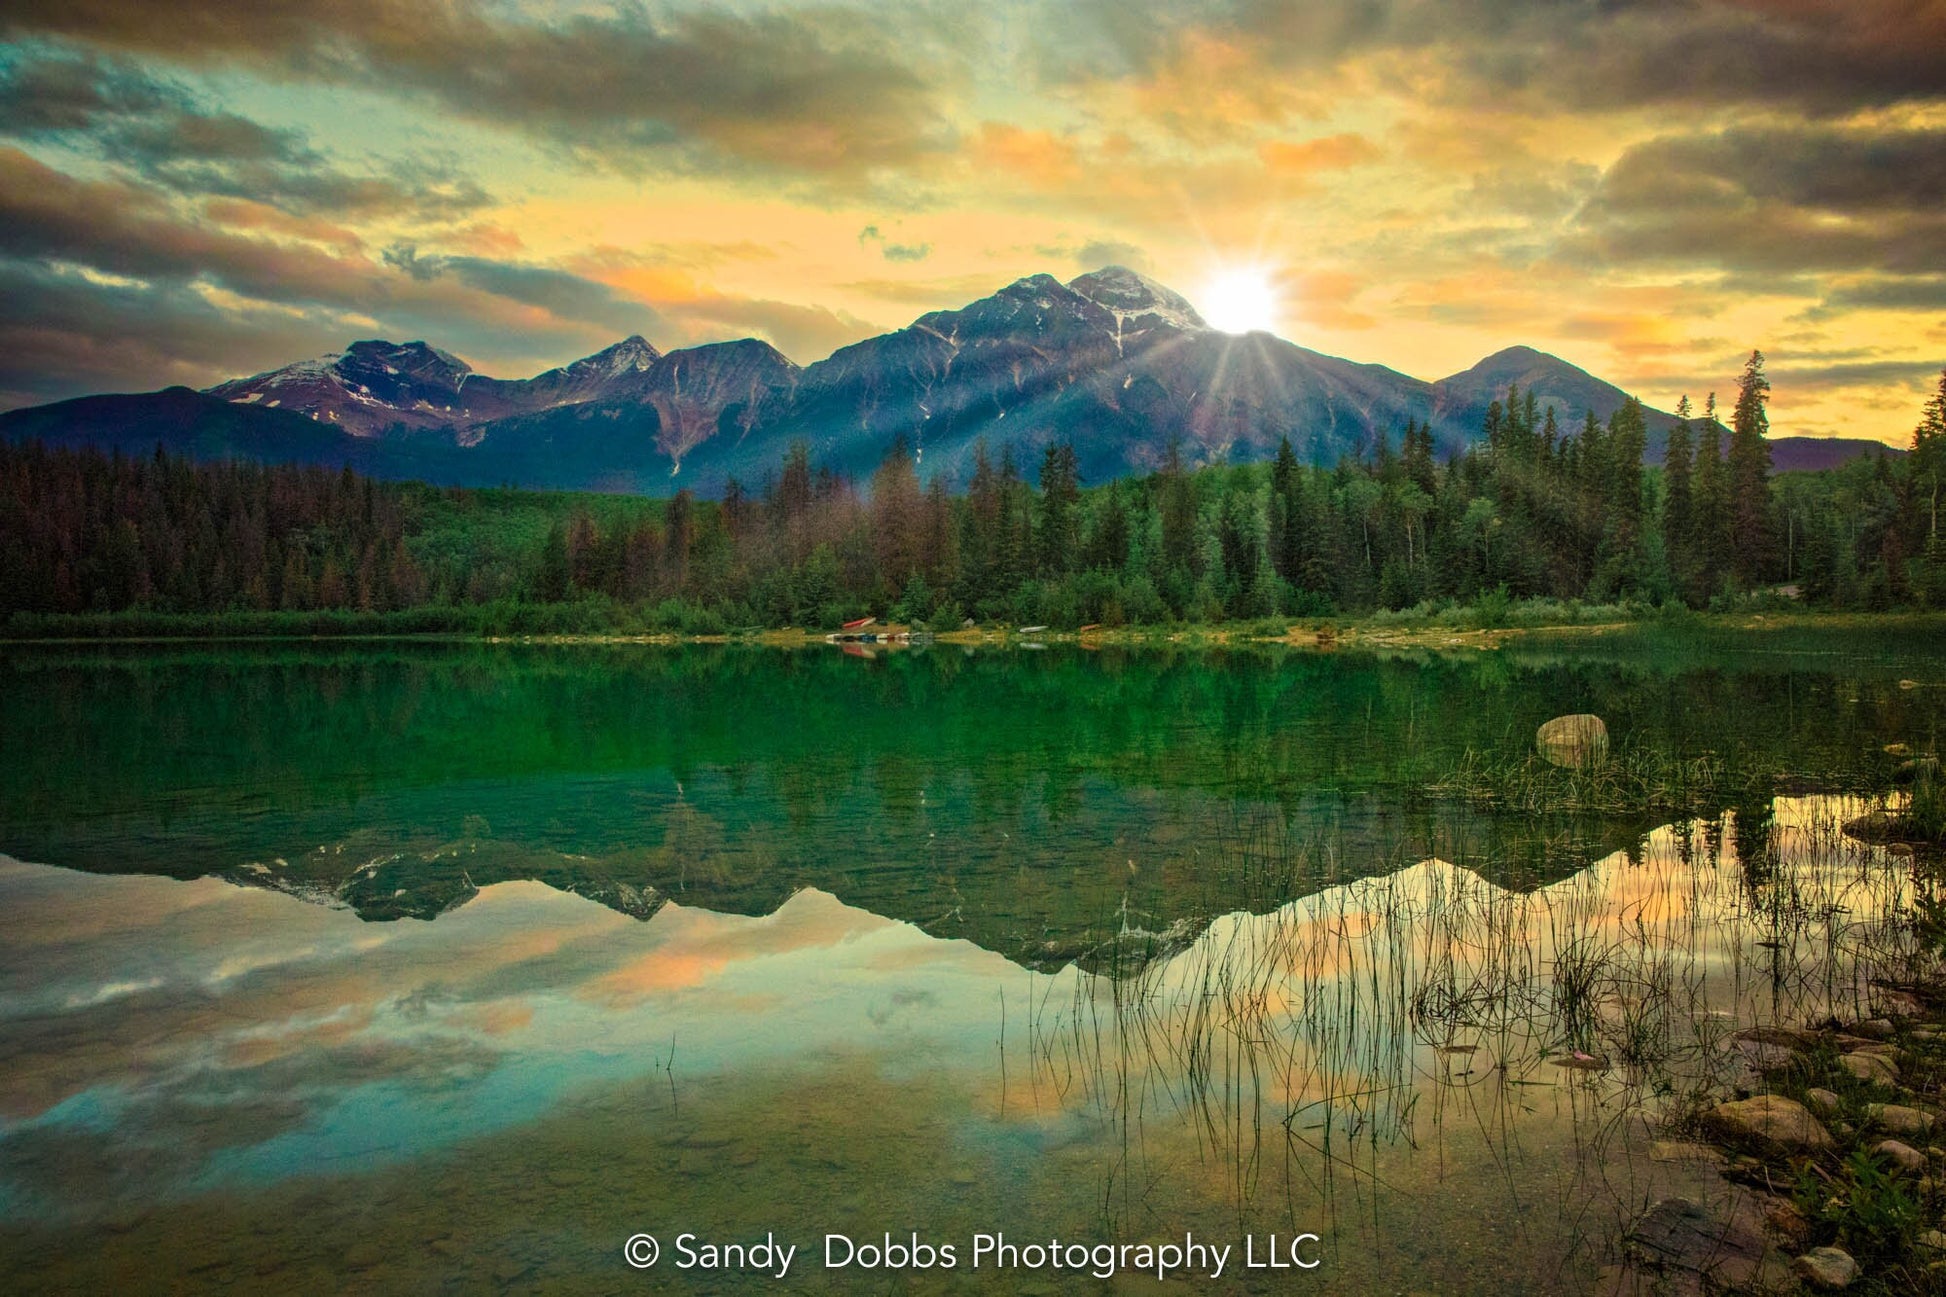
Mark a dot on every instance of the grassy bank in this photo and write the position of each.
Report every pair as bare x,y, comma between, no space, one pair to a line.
1540,623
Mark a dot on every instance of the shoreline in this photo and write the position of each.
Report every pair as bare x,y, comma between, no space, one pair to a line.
1322,635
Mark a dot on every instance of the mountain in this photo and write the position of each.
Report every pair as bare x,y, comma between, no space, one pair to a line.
1114,363
1815,454
1460,401
1111,361
377,387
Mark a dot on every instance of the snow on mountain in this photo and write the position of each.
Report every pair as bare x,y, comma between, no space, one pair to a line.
1114,363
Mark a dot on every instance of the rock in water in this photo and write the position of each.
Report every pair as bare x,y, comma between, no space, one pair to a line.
1692,1249
1576,741
1771,1119
1826,1268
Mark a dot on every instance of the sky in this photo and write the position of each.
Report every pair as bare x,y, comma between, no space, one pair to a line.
1646,188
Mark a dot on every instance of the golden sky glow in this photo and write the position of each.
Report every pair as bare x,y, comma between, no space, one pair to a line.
1648,190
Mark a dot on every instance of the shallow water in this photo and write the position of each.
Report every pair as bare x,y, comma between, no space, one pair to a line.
732,945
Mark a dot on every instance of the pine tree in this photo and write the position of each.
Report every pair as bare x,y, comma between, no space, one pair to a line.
1927,466
1928,460
1748,471
1678,504
1058,533
1708,541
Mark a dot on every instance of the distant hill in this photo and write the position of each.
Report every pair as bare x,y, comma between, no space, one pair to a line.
1815,454
1113,362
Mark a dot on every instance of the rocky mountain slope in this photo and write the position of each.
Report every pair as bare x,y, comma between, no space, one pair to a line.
1113,362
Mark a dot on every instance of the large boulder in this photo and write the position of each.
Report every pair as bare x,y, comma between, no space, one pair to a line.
1770,1120
1575,742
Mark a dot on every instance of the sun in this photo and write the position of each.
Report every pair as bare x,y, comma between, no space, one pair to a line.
1240,299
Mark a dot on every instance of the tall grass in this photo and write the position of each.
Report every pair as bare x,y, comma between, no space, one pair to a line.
1312,1049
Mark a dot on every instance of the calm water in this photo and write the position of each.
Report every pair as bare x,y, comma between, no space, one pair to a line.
415,968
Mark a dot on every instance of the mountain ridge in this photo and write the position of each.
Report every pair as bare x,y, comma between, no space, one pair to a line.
1113,362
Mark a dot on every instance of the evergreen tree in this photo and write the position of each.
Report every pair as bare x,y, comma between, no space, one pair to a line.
1678,504
1748,471
1928,459
1058,534
1709,543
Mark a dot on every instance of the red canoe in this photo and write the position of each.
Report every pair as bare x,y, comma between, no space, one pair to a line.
860,624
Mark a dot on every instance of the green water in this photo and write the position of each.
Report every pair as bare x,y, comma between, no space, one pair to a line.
427,967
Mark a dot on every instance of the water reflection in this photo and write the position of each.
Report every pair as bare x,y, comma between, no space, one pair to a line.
202,1077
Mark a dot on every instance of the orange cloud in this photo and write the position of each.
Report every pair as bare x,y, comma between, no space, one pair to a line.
244,214
1325,153
1034,155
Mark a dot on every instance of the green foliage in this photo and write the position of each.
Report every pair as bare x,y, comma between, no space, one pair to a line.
1535,523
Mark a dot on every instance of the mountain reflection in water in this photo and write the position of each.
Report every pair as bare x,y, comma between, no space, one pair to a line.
226,1082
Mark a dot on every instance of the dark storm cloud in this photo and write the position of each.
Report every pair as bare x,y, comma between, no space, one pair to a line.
1874,373
1822,56
808,91
62,334
558,292
1819,55
1857,171
130,231
1920,293
157,130
114,284
1790,199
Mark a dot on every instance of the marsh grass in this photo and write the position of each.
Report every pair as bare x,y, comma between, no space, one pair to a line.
1633,781
1315,1049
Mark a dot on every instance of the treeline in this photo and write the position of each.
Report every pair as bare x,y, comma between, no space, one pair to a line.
81,531
1532,510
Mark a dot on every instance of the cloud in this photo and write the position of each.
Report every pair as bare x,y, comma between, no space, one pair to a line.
1790,199
1918,293
1111,252
559,292
870,236
1868,373
695,311
1324,153
814,92
62,333
157,130
117,285
1818,56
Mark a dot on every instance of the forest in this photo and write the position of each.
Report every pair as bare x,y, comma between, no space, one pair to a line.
91,543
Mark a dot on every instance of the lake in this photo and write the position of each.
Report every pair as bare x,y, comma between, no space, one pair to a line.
447,966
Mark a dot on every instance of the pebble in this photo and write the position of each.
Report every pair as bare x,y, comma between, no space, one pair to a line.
1825,1103
1827,1268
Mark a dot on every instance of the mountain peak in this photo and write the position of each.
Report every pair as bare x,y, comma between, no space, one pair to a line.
418,357
631,355
1127,292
